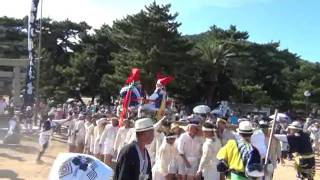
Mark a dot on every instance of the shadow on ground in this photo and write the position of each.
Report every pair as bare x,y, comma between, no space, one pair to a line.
9,174
5,155
20,148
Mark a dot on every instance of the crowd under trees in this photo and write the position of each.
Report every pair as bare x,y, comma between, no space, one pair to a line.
219,64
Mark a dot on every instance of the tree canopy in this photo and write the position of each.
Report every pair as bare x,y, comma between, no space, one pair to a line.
219,64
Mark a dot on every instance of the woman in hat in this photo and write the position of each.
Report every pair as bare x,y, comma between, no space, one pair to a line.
300,143
208,163
238,158
134,161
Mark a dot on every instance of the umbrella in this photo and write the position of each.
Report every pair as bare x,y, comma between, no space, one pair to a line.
79,166
280,116
70,100
201,109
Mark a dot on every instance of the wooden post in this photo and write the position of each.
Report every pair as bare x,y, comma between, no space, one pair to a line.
271,135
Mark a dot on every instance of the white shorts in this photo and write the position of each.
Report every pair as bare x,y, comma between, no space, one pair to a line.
108,149
192,171
177,167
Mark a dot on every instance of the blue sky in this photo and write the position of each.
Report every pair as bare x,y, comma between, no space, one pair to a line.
295,23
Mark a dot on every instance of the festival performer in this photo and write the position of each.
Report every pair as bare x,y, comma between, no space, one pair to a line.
315,137
97,132
189,149
223,133
208,163
71,133
28,119
108,138
238,158
158,97
160,128
166,162
260,140
134,161
80,133
89,133
300,143
13,135
121,136
131,94
44,138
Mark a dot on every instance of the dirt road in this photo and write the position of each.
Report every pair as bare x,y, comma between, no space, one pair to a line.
18,162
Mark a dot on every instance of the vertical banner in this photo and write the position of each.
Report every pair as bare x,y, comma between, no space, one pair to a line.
31,71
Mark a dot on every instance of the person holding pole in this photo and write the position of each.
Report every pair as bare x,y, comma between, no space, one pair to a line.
300,143
260,140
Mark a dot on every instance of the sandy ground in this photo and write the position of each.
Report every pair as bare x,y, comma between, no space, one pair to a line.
18,162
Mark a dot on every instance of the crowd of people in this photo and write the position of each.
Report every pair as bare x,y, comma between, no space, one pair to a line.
149,138
183,147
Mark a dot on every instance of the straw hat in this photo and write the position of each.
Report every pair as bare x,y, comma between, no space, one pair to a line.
143,124
245,127
295,125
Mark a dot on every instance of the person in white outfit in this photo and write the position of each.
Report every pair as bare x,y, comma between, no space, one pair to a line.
28,119
80,131
71,133
89,133
3,105
107,139
208,163
44,138
189,148
121,136
315,137
97,132
166,161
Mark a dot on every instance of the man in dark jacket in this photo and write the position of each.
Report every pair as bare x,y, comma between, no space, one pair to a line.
134,161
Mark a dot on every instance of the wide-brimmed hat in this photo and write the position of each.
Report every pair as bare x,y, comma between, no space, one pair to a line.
295,125
143,124
245,127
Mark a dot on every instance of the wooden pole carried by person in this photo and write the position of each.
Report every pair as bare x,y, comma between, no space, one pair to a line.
271,135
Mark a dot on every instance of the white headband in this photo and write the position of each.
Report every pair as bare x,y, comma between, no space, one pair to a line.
172,137
207,129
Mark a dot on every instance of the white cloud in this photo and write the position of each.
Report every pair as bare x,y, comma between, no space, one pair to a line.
97,12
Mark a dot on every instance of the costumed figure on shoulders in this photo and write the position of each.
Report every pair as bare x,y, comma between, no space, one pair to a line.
157,101
131,95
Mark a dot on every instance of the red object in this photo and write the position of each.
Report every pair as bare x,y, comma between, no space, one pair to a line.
160,75
134,76
166,80
125,105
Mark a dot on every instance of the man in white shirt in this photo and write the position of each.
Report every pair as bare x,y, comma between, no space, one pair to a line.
80,131
108,138
3,105
121,136
189,148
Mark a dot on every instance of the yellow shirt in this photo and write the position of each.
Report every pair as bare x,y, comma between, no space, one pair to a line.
230,153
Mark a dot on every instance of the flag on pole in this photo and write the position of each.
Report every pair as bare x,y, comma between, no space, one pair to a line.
31,71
